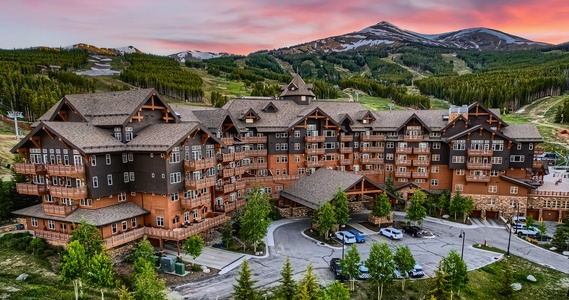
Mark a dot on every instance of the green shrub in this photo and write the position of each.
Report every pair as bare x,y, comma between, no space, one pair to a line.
196,268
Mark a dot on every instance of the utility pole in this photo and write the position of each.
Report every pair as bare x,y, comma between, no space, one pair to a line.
15,115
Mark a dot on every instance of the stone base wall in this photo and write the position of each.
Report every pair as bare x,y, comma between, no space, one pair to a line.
375,220
8,228
120,253
356,206
503,204
294,212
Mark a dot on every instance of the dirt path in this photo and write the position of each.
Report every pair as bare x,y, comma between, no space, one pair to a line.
540,113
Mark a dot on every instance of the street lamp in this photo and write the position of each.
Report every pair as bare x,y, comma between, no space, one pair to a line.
463,236
343,246
509,238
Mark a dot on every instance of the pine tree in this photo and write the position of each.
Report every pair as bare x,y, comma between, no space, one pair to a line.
560,236
243,290
124,294
440,287
341,209
145,283
381,206
350,264
506,280
303,293
325,218
337,291
310,282
416,212
287,289
455,268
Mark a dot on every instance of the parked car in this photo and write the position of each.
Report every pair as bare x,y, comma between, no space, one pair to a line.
518,219
416,272
530,231
541,238
335,267
518,226
364,272
413,230
360,238
397,274
346,237
391,233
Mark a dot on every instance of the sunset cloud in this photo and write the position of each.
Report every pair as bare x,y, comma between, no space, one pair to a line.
244,26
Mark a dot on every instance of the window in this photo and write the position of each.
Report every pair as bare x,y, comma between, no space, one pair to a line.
124,225
34,222
284,146
278,146
86,202
516,158
278,172
108,159
389,156
118,133
459,171
389,145
187,217
174,197
122,197
124,158
459,145
114,228
436,145
51,224
496,160
125,176
93,160
419,180
513,190
131,176
519,146
133,222
284,159
128,133
195,213
175,177
284,171
530,146
130,156
296,146
434,169
436,157
174,156
329,145
110,179
492,189
388,168
458,187
498,145
494,173
160,221
300,171
458,159
95,182
297,133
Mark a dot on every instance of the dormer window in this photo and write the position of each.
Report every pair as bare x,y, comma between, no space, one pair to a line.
128,133
249,120
118,133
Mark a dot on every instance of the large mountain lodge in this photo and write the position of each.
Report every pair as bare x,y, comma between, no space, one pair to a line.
134,165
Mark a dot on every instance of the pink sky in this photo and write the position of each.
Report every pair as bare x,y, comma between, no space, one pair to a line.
244,26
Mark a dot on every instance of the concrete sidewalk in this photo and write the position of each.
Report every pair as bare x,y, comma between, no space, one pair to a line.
211,257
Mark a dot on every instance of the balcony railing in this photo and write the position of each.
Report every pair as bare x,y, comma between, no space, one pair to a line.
254,139
346,138
478,166
404,150
477,178
372,138
227,140
69,171
231,206
314,164
346,161
370,149
228,172
420,163
346,150
68,192
372,160
549,193
204,199
315,139
200,164
368,172
403,162
315,151
421,150
58,210
183,233
226,188
256,166
240,155
227,157
403,174
240,170
261,152
420,174
195,184
52,235
271,178
412,138
31,189
480,152
537,164
123,238
239,185
27,168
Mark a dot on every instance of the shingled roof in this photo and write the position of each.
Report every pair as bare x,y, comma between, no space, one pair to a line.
523,133
297,87
98,217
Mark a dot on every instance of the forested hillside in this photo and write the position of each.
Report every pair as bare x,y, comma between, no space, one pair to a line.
28,84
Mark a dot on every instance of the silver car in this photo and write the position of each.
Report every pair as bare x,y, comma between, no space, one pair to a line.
392,233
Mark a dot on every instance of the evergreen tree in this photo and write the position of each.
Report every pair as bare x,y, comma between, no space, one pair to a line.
443,203
144,253
341,209
325,218
310,283
337,291
124,294
440,287
506,280
416,212
145,283
243,290
560,236
455,268
389,184
89,236
193,246
255,220
381,206
303,293
227,234
404,261
287,289
350,264
380,265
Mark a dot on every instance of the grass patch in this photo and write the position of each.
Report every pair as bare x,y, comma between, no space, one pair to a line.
515,119
489,248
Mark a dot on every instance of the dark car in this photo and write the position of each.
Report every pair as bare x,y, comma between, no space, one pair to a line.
541,238
335,267
360,238
413,230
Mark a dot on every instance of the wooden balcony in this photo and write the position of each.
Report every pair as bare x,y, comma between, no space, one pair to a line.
478,166
240,155
314,164
196,184
403,150
270,178
226,188
183,233
240,170
537,164
345,138
315,151
403,174
227,157
68,192
256,166
368,172
549,193
477,178
69,171
370,149
420,163
200,164
229,141
239,185
58,210
315,139
254,139
372,138
228,172
421,150
32,169
52,235
403,162
261,152
346,150
371,160
346,161
203,200
484,152
31,189
413,138
420,174
538,150
231,206
124,237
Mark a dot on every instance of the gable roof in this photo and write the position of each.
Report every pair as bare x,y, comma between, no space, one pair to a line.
163,137
478,127
523,133
411,117
414,185
495,112
297,87
459,118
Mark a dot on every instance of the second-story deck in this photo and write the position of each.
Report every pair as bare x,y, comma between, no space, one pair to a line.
63,170
68,192
32,169
195,184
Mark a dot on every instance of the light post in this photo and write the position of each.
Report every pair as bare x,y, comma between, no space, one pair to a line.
509,238
463,236
343,246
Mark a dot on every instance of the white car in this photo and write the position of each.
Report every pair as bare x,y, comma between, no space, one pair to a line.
392,233
345,237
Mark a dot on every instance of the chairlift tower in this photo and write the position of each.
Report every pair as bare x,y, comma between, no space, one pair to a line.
15,115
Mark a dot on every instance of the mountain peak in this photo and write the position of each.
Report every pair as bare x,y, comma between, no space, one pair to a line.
385,23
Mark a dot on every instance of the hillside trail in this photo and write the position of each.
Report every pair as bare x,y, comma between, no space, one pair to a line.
537,113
